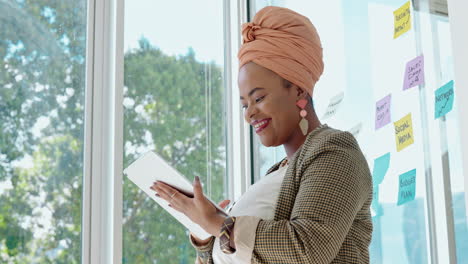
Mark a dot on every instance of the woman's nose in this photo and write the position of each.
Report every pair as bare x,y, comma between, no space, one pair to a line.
250,112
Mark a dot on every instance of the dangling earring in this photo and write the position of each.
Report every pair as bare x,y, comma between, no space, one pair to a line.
304,125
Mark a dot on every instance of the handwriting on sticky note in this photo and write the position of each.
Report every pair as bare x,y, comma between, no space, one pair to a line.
444,99
407,187
404,132
382,112
414,73
356,130
335,102
381,165
402,20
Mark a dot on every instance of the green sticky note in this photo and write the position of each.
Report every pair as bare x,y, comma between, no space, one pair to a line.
444,100
381,165
407,185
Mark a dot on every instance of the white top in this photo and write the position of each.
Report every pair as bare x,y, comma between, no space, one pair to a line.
260,201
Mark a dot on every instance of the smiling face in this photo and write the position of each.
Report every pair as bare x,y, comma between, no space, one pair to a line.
269,104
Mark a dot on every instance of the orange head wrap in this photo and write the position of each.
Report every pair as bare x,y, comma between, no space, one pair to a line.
284,42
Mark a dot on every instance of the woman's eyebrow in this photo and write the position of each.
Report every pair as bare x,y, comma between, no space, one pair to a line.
253,91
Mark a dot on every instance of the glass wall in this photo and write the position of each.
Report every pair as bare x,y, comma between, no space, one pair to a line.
174,105
365,67
42,85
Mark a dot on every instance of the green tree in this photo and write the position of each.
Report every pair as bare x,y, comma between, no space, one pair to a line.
167,104
42,46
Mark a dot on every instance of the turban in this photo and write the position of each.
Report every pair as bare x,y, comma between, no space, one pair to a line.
284,42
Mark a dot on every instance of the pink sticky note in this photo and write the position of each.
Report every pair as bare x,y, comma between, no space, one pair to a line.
414,74
382,112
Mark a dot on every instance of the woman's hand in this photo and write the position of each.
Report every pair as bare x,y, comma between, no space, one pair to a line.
201,242
199,209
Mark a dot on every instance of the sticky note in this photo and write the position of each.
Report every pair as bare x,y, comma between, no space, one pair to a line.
414,73
333,105
444,99
402,20
381,165
407,187
382,112
404,132
355,130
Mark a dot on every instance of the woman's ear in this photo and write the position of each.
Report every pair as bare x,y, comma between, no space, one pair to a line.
301,94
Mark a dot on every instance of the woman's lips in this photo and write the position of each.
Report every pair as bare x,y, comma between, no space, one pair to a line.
261,125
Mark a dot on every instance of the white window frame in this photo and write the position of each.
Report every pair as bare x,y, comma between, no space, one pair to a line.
103,151
239,143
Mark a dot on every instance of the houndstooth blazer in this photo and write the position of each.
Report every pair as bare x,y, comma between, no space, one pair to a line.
323,209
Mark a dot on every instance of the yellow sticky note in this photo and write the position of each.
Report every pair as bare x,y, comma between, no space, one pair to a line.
404,132
402,20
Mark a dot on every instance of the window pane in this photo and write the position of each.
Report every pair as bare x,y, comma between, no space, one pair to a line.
42,83
173,105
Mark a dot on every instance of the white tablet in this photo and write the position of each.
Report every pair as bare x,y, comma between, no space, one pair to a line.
150,168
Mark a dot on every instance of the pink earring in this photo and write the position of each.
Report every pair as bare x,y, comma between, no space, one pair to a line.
304,125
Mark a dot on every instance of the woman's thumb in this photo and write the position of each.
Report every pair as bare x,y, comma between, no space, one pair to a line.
197,188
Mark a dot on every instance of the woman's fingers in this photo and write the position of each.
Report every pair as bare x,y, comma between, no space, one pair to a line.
171,195
162,192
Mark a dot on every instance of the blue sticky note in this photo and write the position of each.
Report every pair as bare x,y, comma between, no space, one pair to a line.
407,185
376,207
444,100
381,165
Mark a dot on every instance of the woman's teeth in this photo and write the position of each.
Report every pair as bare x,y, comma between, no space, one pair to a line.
260,124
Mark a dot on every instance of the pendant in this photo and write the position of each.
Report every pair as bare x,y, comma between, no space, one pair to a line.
304,125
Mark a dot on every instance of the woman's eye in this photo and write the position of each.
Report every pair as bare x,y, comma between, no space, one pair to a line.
244,107
259,99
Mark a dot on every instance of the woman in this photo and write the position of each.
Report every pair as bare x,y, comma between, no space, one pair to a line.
313,206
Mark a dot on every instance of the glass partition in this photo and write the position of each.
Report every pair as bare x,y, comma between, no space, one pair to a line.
405,129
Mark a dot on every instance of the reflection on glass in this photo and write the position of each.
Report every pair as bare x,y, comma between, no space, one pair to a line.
173,105
42,83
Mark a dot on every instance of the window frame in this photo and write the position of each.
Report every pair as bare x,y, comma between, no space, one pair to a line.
239,158
103,151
